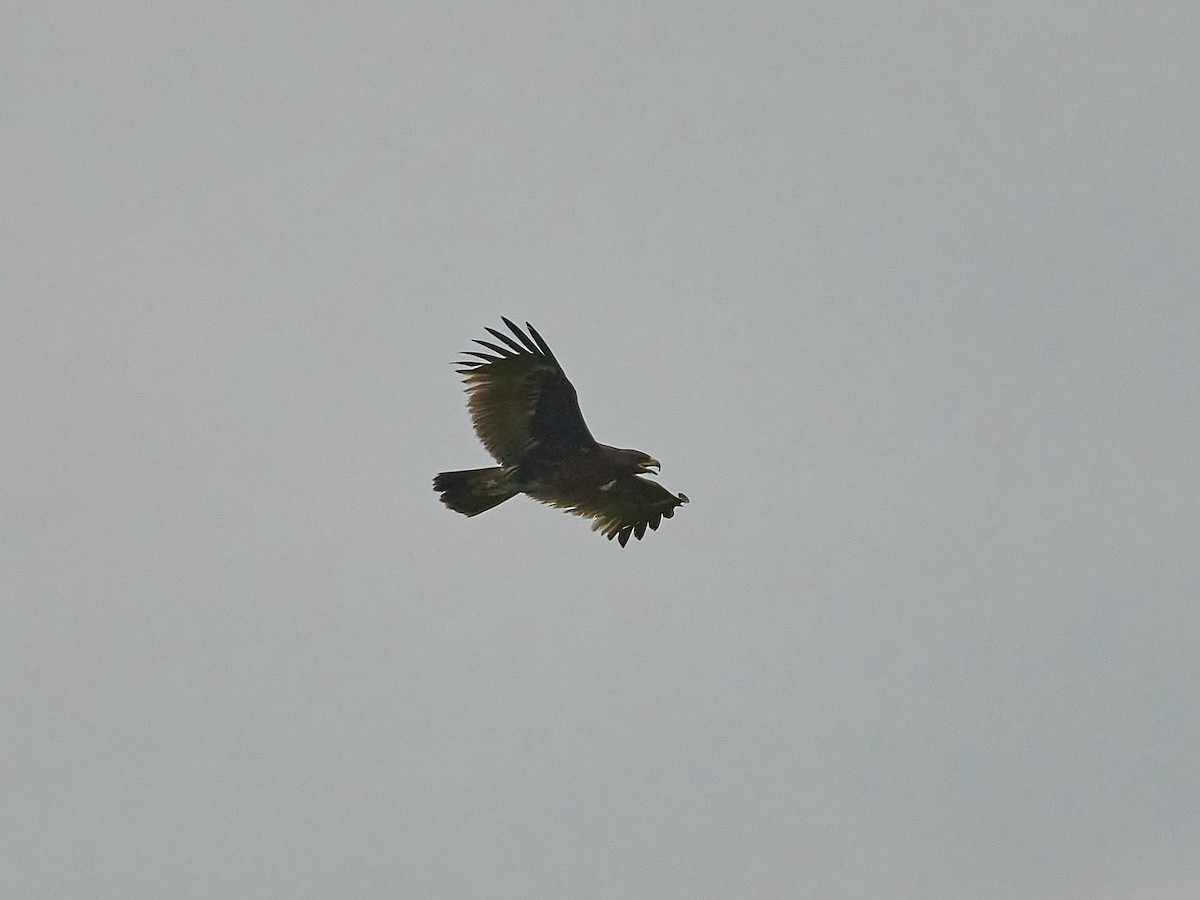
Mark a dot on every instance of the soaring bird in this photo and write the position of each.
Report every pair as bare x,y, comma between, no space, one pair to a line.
527,416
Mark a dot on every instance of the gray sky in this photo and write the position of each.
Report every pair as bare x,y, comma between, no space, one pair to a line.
905,296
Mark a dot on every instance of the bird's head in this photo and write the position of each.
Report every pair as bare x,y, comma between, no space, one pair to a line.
630,462
647,464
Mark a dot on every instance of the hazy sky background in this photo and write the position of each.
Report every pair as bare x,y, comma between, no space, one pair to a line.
904,295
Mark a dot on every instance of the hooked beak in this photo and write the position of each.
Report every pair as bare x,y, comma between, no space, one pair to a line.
649,465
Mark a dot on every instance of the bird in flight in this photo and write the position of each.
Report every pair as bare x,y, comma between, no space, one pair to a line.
527,416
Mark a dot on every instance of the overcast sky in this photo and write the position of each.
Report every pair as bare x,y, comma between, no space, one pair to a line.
904,295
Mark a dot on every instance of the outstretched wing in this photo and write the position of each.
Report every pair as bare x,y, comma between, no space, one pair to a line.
620,508
519,398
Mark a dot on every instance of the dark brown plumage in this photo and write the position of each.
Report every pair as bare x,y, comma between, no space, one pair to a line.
527,416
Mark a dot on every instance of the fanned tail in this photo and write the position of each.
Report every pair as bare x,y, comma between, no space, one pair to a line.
473,491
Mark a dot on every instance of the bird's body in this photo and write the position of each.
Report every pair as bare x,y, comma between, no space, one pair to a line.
526,414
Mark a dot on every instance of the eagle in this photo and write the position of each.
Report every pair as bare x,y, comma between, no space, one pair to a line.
526,414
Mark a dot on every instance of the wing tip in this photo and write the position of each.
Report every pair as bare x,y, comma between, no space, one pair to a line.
541,343
530,346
